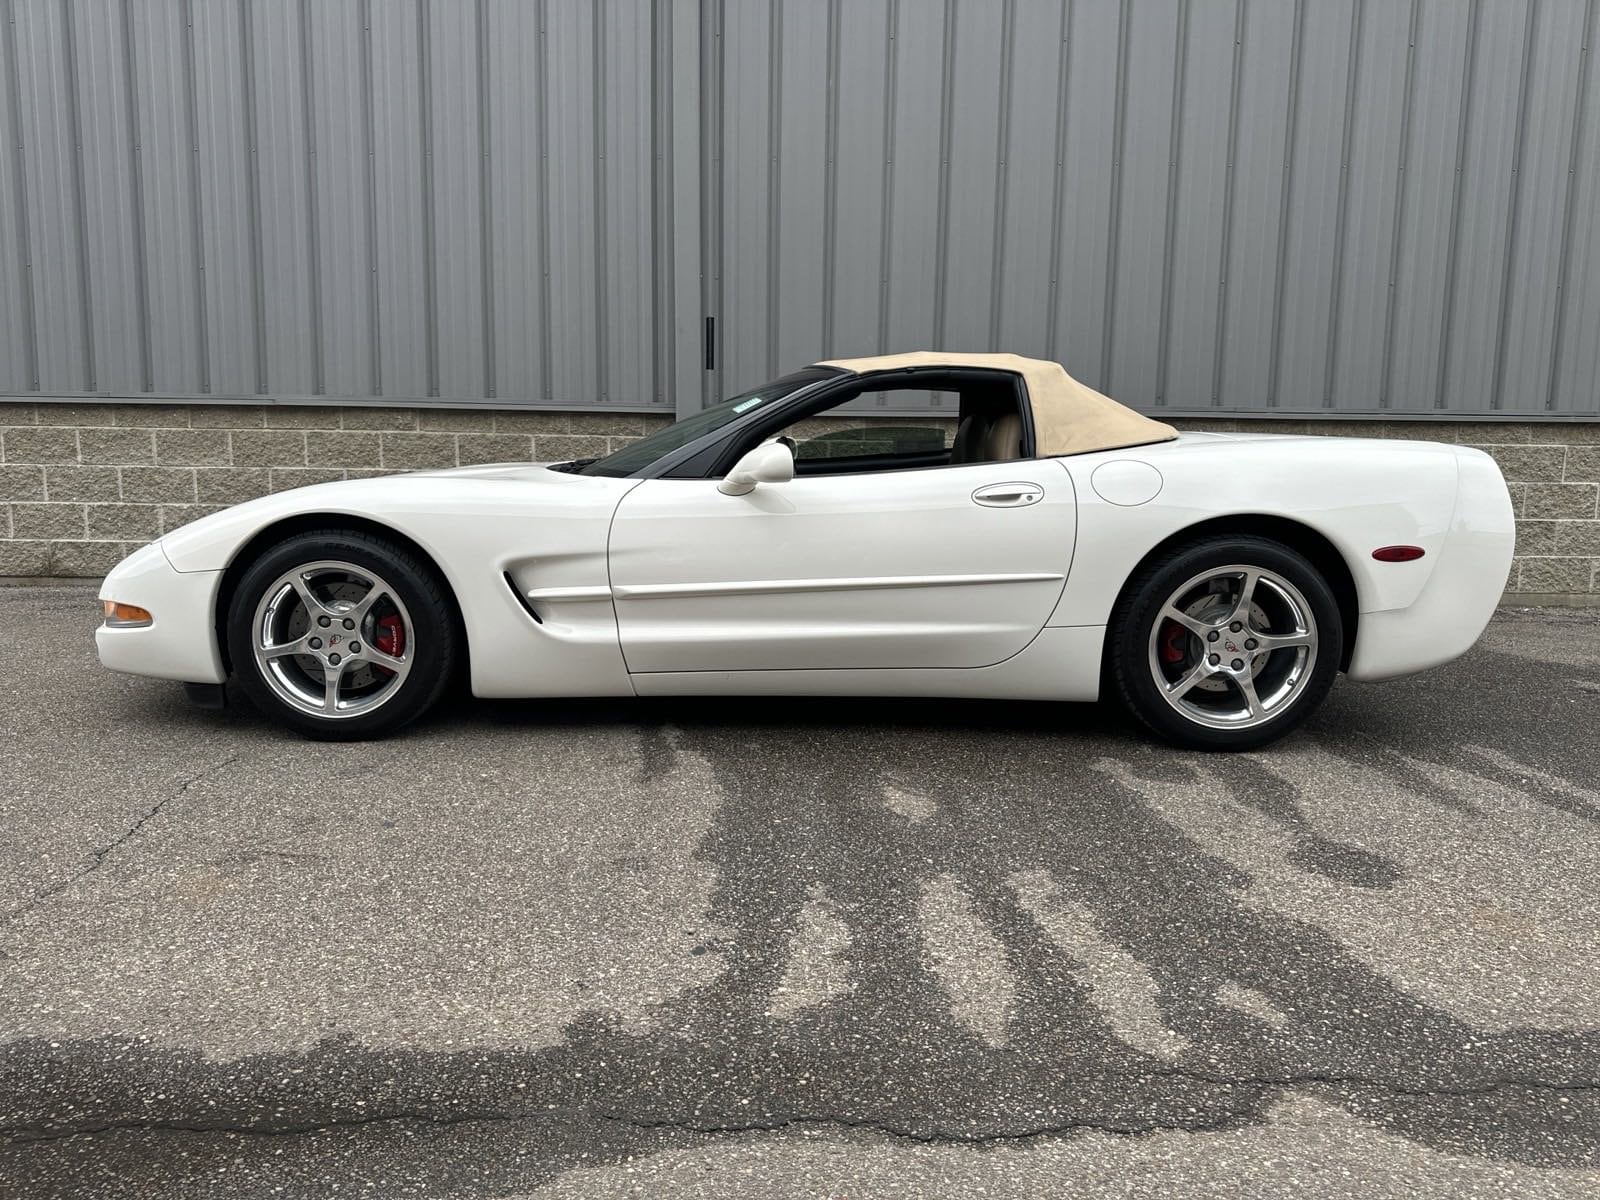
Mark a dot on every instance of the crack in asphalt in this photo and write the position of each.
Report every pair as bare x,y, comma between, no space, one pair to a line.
104,852
938,1137
26,1137
1253,1085
1331,1080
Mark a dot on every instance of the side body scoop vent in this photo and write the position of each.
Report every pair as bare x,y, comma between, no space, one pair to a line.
521,599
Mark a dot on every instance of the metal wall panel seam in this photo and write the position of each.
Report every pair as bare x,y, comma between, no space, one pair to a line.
1285,208
542,132
79,205
683,312
712,100
941,271
313,231
830,184
660,197
1219,338
253,190
1400,192
1496,401
1174,168
485,199
1118,153
30,339
369,133
774,179
1562,271
1453,254
430,267
1063,99
891,76
1342,214
141,290
597,33
1008,37
197,199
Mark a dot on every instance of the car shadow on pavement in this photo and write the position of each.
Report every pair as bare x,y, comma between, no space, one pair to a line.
939,921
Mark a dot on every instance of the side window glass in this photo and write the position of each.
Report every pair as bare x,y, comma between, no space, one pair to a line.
973,418
856,439
911,402
875,426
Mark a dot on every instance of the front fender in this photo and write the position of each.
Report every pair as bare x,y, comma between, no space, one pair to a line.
546,529
180,641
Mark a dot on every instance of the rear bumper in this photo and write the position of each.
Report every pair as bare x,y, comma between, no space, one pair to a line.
1465,585
181,641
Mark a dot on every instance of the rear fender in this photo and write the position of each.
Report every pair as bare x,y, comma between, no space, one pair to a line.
1358,494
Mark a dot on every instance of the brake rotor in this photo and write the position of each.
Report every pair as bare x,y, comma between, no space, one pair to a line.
340,597
1183,649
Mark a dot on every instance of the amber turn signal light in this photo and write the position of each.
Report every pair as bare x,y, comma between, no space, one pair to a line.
1398,553
125,614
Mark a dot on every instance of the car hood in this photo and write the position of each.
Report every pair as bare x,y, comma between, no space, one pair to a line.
427,506
494,471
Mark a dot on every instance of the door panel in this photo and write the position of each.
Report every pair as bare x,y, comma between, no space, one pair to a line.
895,569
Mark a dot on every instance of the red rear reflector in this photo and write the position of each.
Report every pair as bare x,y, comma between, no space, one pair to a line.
1398,553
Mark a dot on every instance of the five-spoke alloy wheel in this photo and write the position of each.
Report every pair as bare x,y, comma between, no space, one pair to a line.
1226,644
341,634
333,640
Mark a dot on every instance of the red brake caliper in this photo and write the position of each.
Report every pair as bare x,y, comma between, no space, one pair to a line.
1172,642
391,638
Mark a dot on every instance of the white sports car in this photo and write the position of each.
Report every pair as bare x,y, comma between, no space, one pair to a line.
1047,544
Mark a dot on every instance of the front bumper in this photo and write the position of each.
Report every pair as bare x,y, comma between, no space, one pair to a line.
181,641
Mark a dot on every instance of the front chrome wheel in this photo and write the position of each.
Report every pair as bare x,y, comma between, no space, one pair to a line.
333,639
1233,647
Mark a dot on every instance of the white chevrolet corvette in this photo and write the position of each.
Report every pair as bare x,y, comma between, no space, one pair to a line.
1049,544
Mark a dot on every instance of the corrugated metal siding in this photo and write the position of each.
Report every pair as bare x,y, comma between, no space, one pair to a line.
1215,205
1247,205
404,198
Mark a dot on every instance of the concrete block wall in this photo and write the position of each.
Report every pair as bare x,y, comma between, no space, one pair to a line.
81,485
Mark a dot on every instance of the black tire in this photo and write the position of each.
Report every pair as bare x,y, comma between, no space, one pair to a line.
421,599
1142,644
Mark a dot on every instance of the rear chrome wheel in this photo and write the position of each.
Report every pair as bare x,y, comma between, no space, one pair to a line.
342,634
333,640
1233,647
1226,644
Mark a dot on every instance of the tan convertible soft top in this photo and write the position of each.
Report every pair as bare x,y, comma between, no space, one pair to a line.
1068,418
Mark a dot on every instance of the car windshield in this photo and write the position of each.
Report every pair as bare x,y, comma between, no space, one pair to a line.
636,456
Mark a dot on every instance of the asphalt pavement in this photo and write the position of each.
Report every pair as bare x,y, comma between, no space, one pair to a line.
784,948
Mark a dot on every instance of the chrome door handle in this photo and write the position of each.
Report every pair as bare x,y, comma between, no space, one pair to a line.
1008,495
